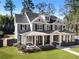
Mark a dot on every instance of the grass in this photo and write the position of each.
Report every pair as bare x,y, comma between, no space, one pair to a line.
75,49
11,53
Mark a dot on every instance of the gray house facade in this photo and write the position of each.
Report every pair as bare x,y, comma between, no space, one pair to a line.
41,29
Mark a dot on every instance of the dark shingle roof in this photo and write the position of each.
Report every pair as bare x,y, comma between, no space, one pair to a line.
67,31
32,15
20,18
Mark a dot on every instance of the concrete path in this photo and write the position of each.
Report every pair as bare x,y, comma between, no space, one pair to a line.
71,51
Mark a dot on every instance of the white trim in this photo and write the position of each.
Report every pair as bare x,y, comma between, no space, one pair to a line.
43,40
29,22
35,19
35,40
39,17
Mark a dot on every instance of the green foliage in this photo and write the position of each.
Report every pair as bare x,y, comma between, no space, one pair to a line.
41,7
28,5
9,6
6,24
44,8
1,33
72,6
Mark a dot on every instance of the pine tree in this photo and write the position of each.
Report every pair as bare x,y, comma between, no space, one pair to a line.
9,6
28,5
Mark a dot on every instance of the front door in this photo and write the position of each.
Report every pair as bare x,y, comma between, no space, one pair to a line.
56,38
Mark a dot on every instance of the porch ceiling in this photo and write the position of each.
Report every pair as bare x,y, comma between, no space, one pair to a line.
34,33
61,33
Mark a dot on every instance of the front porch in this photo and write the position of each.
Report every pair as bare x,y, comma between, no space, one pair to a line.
43,39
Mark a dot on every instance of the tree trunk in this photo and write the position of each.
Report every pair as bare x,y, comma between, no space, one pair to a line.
76,29
11,11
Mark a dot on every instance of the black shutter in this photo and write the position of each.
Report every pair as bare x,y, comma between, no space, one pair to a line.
51,27
43,27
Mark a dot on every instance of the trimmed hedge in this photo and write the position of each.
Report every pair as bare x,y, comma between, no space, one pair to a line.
10,42
69,43
47,47
1,34
1,43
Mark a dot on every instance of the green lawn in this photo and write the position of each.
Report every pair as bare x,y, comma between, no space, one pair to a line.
75,49
11,53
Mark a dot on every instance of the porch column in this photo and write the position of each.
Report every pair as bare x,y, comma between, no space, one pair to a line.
21,39
69,38
60,41
32,39
43,40
35,40
25,40
63,37
73,38
51,39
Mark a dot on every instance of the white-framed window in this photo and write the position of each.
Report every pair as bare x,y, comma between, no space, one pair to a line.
39,27
48,27
23,27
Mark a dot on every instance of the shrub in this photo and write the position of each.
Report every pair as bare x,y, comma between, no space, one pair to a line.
1,43
20,46
1,33
10,42
47,47
32,49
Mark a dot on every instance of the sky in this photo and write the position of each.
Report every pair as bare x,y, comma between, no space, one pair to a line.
57,3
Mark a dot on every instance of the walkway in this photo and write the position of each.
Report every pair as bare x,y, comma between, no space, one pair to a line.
71,51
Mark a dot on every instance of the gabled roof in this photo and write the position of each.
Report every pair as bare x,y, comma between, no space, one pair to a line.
19,18
32,15
22,18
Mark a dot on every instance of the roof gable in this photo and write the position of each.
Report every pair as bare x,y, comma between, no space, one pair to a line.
38,19
19,18
31,15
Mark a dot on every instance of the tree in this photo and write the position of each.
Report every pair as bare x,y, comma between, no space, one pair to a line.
28,5
9,6
50,9
73,7
41,7
44,8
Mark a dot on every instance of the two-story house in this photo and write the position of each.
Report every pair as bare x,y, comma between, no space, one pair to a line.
40,29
